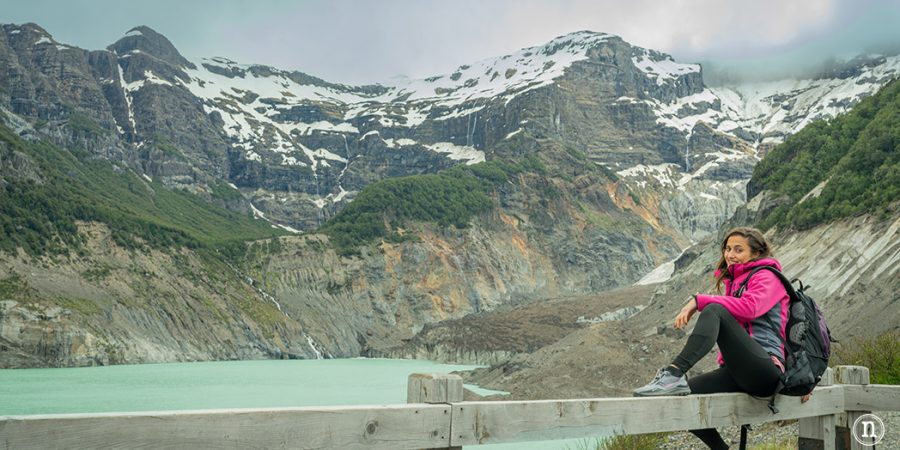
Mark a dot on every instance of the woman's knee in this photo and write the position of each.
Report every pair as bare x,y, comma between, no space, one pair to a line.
715,308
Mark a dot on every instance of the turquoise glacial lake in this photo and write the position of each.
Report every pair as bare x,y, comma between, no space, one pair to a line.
224,384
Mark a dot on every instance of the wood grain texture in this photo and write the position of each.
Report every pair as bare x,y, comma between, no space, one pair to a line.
519,421
355,427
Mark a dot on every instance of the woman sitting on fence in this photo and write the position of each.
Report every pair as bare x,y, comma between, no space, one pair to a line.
751,352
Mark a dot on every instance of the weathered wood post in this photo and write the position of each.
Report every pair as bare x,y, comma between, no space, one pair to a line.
435,388
817,433
850,375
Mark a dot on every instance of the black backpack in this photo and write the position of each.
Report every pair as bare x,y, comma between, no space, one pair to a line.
808,343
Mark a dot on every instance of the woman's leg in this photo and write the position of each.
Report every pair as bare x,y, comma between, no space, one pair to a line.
748,368
718,380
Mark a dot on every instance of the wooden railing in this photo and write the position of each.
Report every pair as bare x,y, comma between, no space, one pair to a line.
436,417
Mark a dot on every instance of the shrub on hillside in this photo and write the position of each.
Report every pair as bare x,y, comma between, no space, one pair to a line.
448,198
851,161
881,354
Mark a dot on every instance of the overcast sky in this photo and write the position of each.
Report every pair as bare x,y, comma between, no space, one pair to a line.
365,41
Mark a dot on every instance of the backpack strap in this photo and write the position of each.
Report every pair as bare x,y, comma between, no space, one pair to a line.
771,403
788,286
744,430
792,293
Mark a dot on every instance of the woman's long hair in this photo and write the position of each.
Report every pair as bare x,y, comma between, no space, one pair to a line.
758,246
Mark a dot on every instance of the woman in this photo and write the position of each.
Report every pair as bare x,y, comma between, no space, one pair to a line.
751,352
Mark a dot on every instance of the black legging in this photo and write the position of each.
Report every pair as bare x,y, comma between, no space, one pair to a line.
748,368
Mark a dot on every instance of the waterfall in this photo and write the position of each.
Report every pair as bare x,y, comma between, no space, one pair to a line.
317,348
249,280
687,152
347,163
314,346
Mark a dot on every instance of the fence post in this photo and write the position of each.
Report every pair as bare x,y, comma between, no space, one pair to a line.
817,433
850,375
435,388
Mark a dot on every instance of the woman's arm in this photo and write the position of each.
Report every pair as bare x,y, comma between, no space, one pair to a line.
684,316
763,291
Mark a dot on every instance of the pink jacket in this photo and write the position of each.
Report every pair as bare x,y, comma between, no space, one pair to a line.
764,295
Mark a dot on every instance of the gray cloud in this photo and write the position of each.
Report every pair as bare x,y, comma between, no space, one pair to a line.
360,41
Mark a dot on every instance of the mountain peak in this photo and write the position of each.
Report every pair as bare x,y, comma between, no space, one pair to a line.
32,30
145,39
28,27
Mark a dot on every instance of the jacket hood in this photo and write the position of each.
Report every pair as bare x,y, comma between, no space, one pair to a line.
737,270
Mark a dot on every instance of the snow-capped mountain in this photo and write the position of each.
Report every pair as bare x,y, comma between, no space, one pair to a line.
298,147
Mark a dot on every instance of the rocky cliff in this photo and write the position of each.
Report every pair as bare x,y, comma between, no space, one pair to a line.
109,305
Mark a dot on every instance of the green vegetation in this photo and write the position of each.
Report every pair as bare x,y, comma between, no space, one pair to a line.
82,305
635,197
40,217
855,155
224,191
451,197
14,287
83,125
653,441
783,445
634,442
650,441
881,354
170,150
100,272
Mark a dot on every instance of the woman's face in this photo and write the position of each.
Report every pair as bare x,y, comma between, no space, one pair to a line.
737,250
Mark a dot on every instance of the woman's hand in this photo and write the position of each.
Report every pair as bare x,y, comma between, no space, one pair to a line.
684,316
805,398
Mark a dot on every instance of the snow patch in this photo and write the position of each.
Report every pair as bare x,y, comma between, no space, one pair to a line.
401,142
662,173
663,68
619,314
513,133
149,78
815,192
127,96
291,161
457,152
660,274
307,129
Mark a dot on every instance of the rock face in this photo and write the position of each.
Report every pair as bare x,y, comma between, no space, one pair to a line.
123,307
640,160
366,305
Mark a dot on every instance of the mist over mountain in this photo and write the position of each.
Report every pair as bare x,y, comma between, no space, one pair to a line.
724,72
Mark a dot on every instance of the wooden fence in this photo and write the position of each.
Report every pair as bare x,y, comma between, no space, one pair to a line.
437,417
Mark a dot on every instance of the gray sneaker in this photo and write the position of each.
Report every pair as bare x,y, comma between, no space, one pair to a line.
664,383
